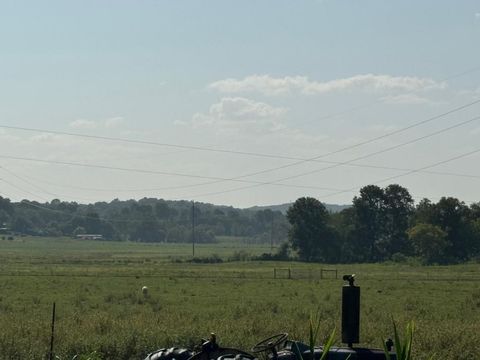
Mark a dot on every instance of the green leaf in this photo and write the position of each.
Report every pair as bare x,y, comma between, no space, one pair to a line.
328,345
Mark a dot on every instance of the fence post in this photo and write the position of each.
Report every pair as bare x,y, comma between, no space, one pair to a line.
53,333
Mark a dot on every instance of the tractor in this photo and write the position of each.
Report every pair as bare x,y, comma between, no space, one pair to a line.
280,347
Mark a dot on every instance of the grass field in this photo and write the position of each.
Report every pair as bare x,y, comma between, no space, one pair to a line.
100,307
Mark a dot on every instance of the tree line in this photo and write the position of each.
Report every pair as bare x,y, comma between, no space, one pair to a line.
384,224
145,220
380,224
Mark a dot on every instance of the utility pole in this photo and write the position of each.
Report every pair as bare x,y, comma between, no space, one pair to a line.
271,236
193,228
52,337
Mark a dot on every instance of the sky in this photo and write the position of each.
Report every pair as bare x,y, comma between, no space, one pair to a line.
238,103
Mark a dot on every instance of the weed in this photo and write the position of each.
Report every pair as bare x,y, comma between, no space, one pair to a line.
403,347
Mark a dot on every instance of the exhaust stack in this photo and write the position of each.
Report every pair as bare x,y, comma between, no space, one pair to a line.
350,311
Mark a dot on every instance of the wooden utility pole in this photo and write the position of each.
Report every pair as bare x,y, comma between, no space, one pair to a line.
271,236
52,337
193,228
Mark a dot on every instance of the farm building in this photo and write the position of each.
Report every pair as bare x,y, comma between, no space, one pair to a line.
90,236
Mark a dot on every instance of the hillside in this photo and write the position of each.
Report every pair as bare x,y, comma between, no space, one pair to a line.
333,208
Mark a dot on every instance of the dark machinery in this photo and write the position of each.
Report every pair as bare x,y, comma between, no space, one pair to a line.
279,347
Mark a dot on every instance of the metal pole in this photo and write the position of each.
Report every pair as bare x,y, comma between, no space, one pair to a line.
193,228
271,236
53,333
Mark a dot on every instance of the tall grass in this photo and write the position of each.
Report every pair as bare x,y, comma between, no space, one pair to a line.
403,347
100,307
313,331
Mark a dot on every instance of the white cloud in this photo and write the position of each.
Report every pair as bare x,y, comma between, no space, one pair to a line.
268,85
95,124
83,124
45,137
402,99
237,113
113,122
477,15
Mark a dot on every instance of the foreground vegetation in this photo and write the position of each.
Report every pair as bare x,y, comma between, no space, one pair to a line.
100,306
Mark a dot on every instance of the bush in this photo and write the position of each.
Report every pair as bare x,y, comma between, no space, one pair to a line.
240,255
399,258
213,259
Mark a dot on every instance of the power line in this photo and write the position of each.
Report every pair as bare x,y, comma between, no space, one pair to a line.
347,162
457,157
23,190
110,190
350,147
328,195
245,153
38,187
254,183
153,172
357,188
214,180
385,150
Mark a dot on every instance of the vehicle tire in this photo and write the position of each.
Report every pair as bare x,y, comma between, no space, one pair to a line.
170,354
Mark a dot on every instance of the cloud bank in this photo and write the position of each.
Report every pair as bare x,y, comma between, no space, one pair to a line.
238,113
272,86
92,124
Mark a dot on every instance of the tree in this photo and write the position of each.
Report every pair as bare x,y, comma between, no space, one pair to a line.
475,232
148,230
429,242
22,225
424,212
93,223
368,221
452,216
475,211
398,209
310,234
162,210
79,230
6,206
343,223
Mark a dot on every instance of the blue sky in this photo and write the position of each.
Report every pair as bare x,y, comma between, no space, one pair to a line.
243,76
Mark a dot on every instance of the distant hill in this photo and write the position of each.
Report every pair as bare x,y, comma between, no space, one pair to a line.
333,208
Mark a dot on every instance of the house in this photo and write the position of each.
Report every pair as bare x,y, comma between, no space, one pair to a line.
90,236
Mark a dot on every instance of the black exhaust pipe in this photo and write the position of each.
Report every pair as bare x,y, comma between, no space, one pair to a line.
350,312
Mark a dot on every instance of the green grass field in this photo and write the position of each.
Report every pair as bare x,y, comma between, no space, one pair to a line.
100,307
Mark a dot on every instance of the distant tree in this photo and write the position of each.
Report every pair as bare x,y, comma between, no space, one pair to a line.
92,223
452,216
79,230
4,217
343,223
475,211
23,225
429,242
369,225
162,210
424,212
6,206
203,235
178,234
398,209
148,230
310,234
475,234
